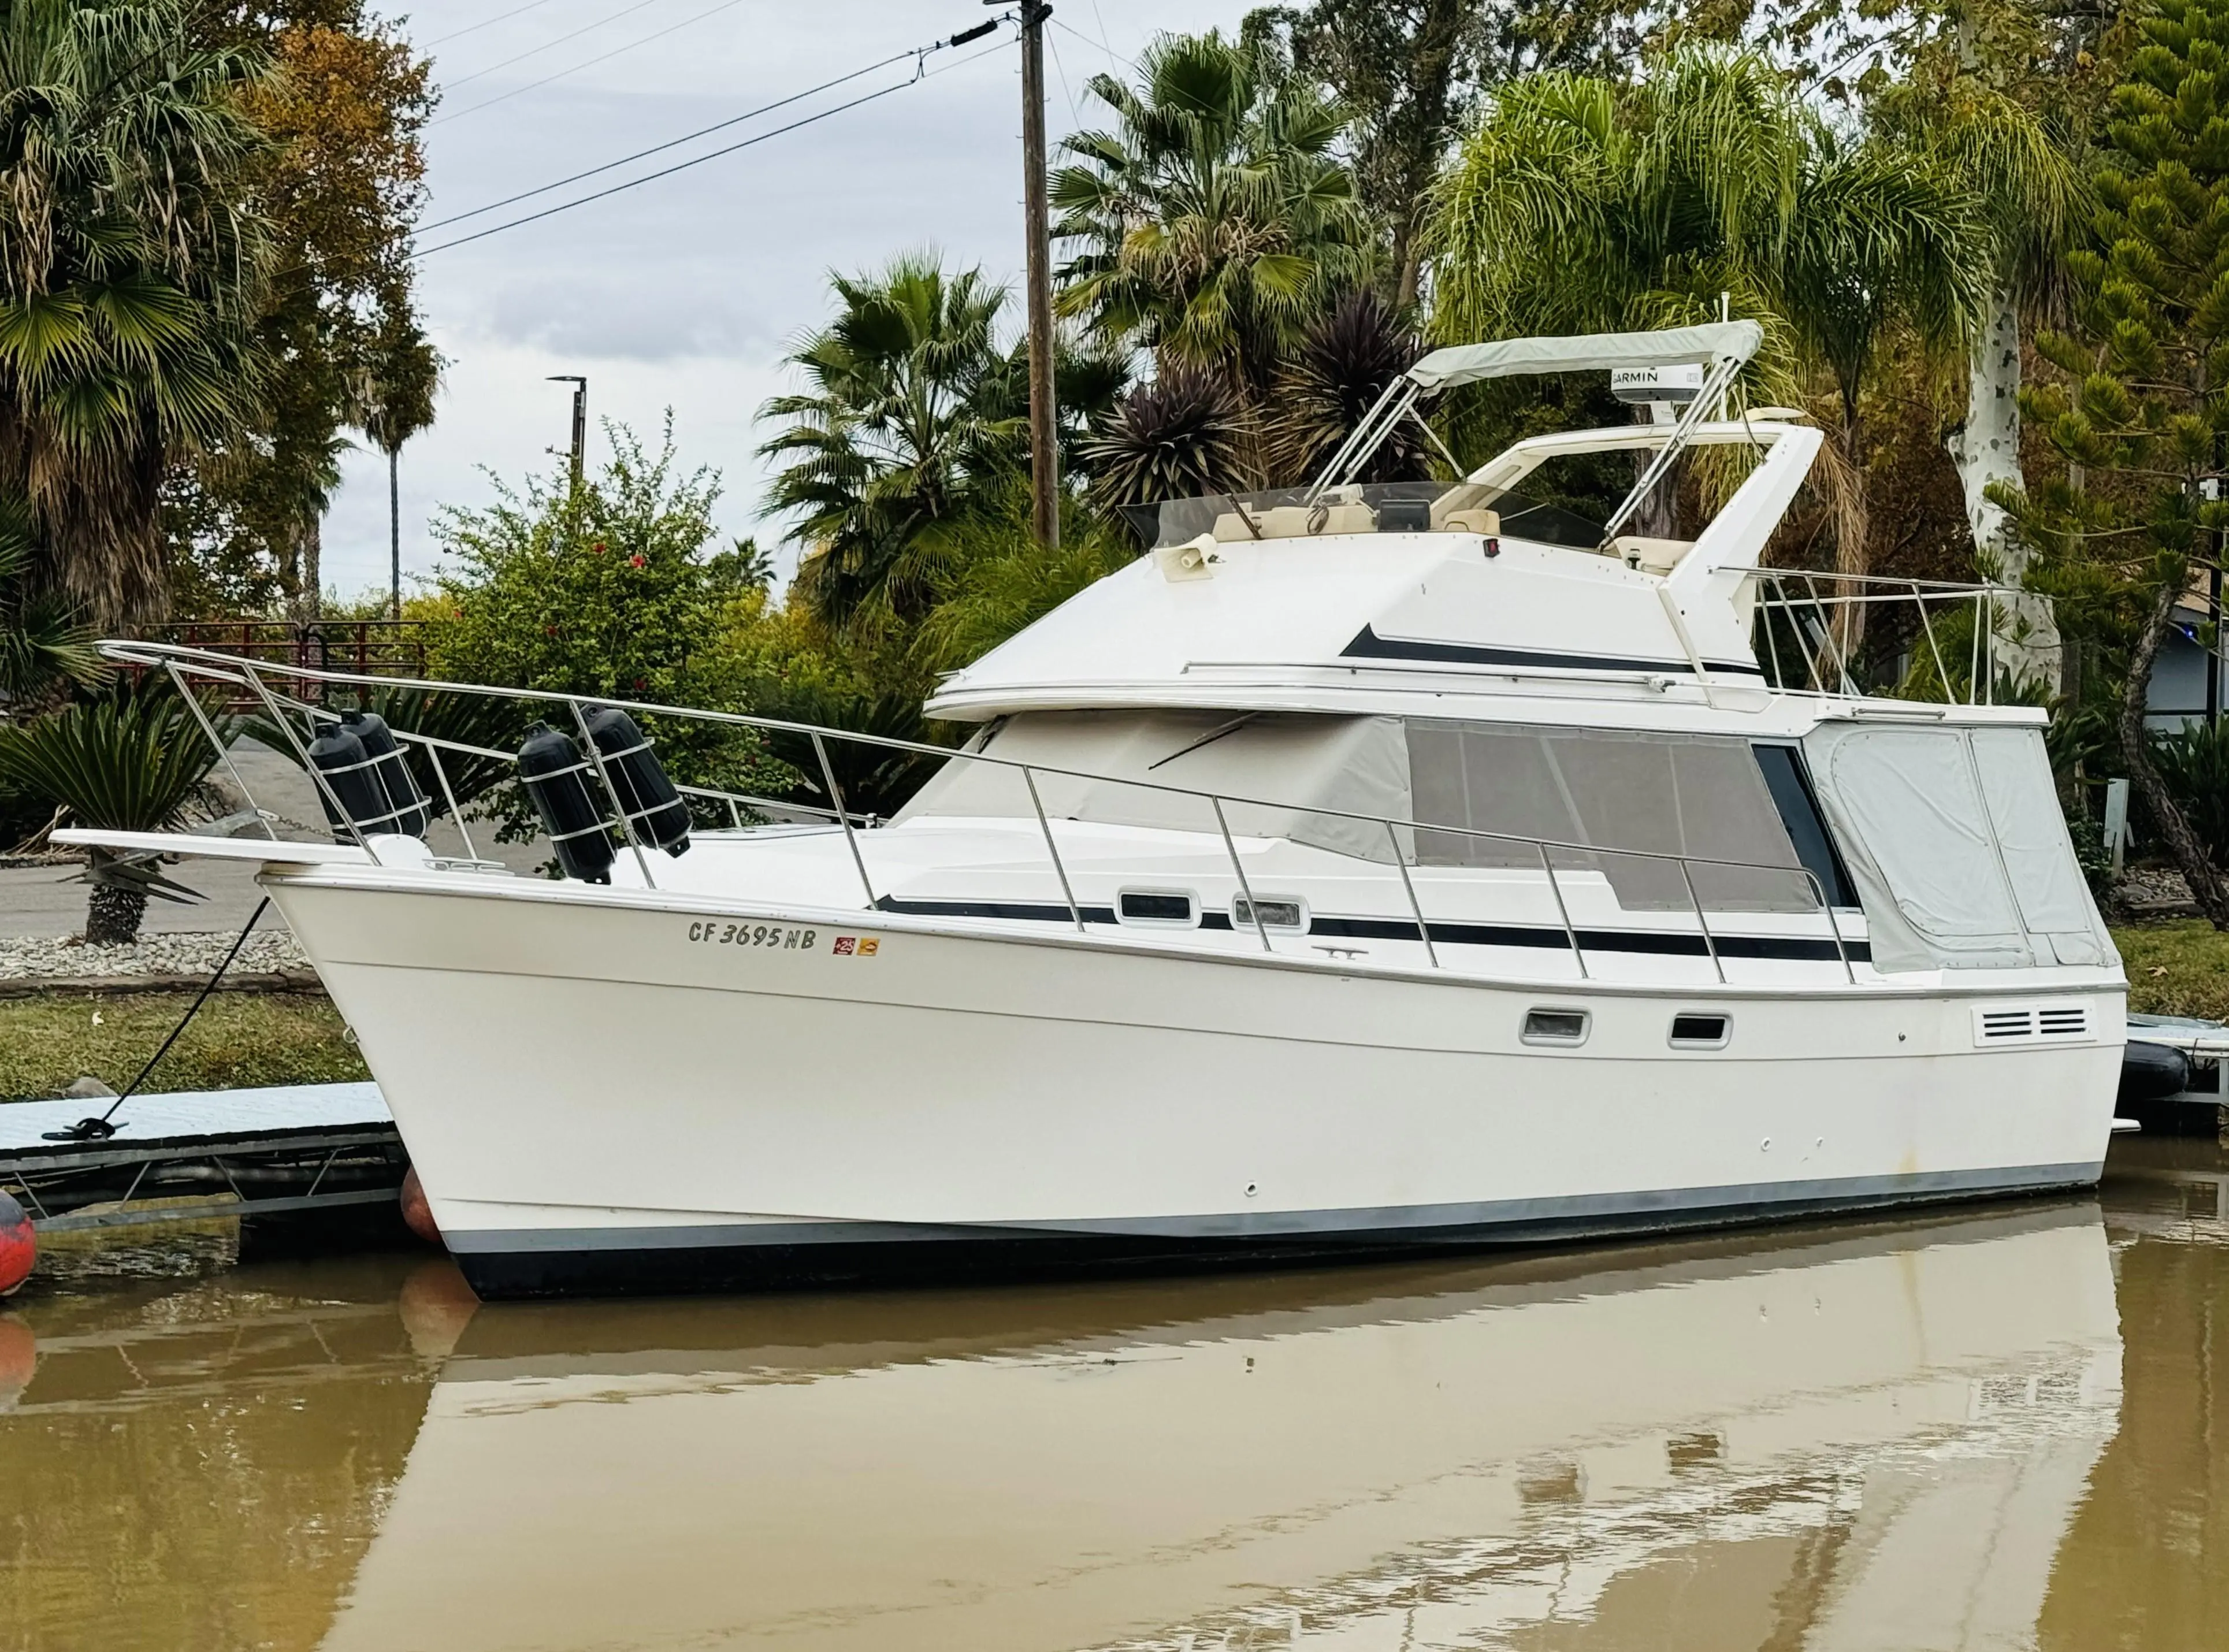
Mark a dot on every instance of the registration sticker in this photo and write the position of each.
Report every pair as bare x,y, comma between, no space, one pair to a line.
858,945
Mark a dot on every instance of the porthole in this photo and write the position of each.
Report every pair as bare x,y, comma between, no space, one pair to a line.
1692,1029
1177,908
1556,1026
1278,912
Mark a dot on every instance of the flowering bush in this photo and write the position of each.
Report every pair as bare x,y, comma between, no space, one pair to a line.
531,597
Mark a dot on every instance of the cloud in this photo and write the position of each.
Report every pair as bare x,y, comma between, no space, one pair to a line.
687,293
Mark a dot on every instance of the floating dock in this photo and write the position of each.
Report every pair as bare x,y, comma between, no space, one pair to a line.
283,1150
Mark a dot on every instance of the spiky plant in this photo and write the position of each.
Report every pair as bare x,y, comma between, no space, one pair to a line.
1349,356
1184,434
130,760
42,647
487,721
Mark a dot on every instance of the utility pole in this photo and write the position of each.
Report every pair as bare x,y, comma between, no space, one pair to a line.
1045,444
580,420
395,532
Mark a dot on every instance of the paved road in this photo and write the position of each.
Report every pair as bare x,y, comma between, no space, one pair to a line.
50,901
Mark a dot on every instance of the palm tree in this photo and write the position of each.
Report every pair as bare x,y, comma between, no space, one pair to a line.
1580,205
910,409
1217,220
129,270
2021,161
43,649
393,400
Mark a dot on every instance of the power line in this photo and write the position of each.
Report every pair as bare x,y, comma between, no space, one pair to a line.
682,166
673,143
473,29
536,51
1097,45
602,57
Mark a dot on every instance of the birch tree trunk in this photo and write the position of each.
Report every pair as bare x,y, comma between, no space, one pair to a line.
1986,450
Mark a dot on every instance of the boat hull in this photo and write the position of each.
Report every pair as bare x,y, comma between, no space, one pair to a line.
606,1092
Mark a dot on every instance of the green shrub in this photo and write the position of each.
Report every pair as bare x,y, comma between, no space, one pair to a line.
2193,761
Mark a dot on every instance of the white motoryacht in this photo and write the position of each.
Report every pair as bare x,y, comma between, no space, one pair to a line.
1366,867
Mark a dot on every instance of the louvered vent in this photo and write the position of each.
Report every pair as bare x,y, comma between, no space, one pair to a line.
1995,1026
2031,1024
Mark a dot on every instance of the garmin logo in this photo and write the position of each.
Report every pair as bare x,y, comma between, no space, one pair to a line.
1677,383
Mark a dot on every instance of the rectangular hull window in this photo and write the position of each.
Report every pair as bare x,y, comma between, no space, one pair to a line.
1555,1026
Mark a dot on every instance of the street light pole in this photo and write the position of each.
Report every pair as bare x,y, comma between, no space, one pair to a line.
1045,444
580,420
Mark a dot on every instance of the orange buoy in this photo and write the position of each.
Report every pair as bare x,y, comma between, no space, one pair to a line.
417,1214
19,1245
19,1356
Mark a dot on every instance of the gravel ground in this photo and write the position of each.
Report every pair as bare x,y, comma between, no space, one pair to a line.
68,958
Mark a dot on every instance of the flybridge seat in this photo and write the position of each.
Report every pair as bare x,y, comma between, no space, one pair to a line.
1358,508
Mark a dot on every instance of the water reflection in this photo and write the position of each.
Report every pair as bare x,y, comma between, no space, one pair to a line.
1900,1437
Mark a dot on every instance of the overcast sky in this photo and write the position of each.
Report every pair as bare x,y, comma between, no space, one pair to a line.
685,293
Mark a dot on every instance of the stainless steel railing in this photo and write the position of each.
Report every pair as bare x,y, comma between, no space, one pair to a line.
185,664
1819,616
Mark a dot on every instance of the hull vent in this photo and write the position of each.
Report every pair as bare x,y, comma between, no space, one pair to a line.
2031,1024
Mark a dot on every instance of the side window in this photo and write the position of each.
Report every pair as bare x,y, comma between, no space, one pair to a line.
1782,768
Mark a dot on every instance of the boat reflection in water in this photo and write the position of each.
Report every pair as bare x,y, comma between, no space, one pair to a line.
1860,1438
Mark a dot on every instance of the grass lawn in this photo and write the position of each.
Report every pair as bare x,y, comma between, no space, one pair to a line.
2178,966
239,1040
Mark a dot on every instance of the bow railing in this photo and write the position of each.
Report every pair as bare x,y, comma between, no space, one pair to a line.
187,666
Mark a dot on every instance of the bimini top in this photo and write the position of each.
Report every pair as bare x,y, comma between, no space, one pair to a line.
1700,346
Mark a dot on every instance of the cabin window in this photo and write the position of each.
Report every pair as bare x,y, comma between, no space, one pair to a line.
1158,906
1555,1026
1277,912
1784,777
1652,795
1694,1029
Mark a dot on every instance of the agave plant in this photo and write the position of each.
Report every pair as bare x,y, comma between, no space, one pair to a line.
1184,434
2193,761
131,759
1348,357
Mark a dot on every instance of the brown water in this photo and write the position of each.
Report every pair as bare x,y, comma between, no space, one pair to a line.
1996,1429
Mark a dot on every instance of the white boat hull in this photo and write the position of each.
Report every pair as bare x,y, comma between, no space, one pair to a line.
605,1091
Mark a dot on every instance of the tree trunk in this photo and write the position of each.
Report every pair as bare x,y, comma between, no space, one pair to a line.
2205,886
1852,538
1986,450
112,916
313,550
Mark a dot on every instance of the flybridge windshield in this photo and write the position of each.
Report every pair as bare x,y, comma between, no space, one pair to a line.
1364,507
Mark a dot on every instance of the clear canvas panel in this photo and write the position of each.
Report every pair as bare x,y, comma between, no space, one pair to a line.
1660,795
1298,766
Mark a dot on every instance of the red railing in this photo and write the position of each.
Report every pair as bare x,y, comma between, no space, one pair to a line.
364,647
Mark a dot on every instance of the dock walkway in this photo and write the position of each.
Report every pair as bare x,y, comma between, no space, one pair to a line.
282,1149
